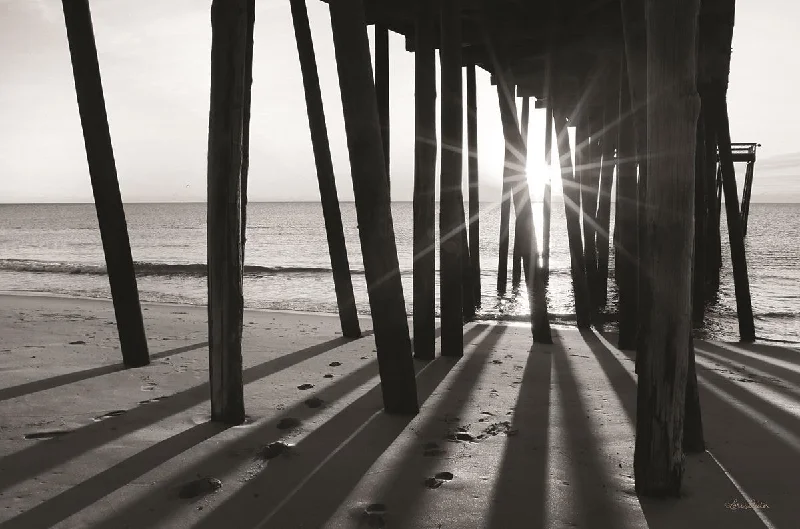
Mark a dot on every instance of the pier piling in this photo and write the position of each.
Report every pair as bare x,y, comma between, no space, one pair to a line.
105,185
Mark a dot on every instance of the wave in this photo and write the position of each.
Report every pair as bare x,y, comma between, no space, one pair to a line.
155,269
779,315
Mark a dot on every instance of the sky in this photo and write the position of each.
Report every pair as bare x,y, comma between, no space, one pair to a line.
154,60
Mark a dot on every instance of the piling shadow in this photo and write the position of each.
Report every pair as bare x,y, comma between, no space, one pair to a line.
751,453
782,375
47,454
619,377
593,485
519,495
69,378
273,481
402,485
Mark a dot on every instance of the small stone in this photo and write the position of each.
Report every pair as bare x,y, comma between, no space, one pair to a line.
497,361
199,487
327,376
303,387
335,364
288,423
445,476
78,342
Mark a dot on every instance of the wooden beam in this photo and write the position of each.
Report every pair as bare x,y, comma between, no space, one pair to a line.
673,107
373,208
382,87
425,147
474,190
592,144
718,108
626,261
105,186
451,216
340,265
635,37
225,308
571,194
608,165
534,280
516,269
699,266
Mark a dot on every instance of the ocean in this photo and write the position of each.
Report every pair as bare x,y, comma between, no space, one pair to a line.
56,249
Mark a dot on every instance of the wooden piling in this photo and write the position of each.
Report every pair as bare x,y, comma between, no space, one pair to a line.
225,302
474,191
673,107
248,97
589,177
105,186
516,265
609,163
534,280
718,109
382,88
371,191
509,161
340,265
571,192
635,37
425,147
467,285
627,241
547,199
451,217
699,265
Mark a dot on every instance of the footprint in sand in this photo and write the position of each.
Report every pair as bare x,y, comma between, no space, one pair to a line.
149,386
432,450
109,414
335,364
78,342
303,387
287,423
273,450
314,402
199,487
328,375
438,480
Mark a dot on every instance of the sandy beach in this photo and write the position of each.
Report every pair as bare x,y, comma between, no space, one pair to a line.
509,436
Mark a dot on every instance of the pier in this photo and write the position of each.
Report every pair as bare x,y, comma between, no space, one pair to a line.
643,85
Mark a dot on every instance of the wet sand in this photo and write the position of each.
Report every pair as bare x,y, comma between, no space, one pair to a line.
510,436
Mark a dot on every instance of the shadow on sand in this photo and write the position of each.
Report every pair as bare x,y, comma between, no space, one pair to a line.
70,378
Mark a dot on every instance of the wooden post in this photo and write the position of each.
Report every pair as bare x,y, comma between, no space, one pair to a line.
748,188
633,25
534,280
467,286
719,110
610,140
547,199
225,307
340,265
105,186
509,161
673,107
248,93
516,269
571,193
713,236
699,265
474,192
626,261
590,181
382,87
425,147
451,217
373,209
